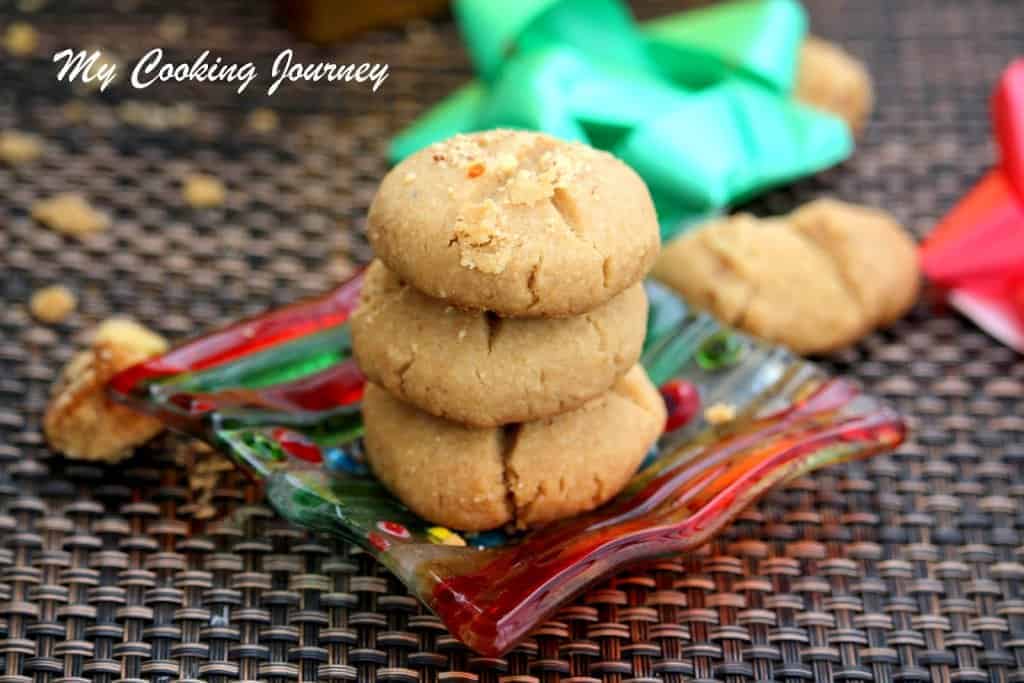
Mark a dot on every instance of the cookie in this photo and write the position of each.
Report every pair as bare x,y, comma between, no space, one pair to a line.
815,280
482,370
84,423
875,256
515,222
525,474
831,79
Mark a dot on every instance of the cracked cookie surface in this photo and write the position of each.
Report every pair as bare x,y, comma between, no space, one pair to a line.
477,368
525,474
815,280
515,222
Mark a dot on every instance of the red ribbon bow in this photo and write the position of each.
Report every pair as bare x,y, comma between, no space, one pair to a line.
976,252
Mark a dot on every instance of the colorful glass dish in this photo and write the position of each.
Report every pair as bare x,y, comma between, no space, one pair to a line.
280,394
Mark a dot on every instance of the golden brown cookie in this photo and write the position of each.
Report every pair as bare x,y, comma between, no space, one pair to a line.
81,421
525,474
515,222
815,280
763,277
831,79
876,257
482,370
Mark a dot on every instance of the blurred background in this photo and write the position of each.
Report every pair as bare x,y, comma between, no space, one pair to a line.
298,191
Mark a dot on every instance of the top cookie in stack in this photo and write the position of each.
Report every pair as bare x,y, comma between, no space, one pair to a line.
517,223
507,293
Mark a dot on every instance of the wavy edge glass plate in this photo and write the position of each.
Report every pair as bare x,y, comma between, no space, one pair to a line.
280,394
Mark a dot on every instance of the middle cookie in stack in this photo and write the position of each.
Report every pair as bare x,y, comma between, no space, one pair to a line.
500,330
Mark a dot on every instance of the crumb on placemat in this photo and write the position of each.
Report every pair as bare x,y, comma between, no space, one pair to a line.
21,39
52,304
81,420
262,120
17,147
207,471
71,214
172,29
203,191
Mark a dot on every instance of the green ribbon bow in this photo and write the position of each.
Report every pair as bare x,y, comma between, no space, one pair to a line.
698,103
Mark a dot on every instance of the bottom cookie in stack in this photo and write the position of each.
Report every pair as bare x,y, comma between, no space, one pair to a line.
524,474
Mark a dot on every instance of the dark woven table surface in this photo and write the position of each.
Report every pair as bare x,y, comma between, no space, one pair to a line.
908,567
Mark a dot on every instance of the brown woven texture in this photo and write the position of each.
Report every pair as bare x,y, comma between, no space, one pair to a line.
904,568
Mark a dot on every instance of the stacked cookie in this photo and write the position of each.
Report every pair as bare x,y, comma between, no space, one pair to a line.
500,329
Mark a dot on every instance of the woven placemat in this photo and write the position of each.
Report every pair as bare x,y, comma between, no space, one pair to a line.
904,568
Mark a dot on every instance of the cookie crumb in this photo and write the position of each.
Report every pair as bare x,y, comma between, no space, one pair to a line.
19,148
172,28
262,120
128,333
477,225
526,188
409,177
207,471
720,413
203,191
70,213
52,304
507,163
81,420
21,39
481,238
